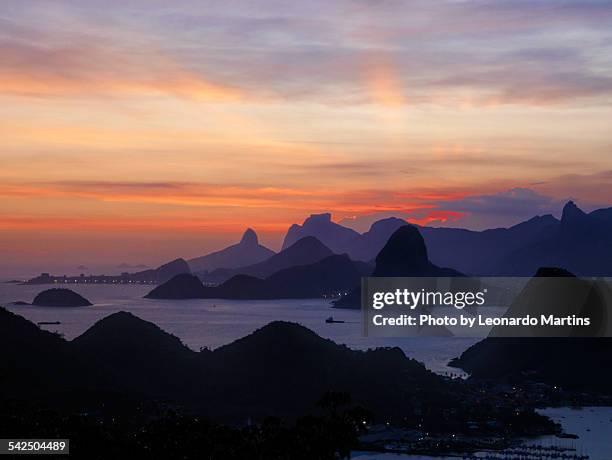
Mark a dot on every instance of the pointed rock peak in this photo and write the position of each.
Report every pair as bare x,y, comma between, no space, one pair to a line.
249,237
319,218
571,212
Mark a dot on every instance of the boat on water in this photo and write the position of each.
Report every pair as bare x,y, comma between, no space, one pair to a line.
46,323
331,320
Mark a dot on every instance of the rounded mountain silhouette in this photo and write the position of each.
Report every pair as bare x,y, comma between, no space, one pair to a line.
164,272
59,297
405,254
183,286
300,281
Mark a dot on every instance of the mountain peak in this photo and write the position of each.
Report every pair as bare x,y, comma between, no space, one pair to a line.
182,286
571,212
340,239
290,336
319,218
249,237
308,245
405,248
127,332
388,222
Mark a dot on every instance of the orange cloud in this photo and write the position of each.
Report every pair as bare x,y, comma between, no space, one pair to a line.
185,85
128,224
96,68
195,208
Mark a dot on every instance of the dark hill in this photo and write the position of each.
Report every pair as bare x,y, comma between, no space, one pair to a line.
572,363
555,291
333,274
138,355
405,254
162,273
60,298
184,286
305,251
20,334
281,369
37,363
240,287
268,368
577,363
123,330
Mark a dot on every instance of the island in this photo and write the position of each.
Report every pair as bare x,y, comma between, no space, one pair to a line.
60,298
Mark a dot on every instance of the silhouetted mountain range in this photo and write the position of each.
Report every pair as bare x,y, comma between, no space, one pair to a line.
281,369
323,278
162,273
247,252
157,275
580,242
303,252
405,254
342,239
481,252
326,277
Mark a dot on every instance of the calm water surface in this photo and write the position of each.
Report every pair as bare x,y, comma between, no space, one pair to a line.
593,425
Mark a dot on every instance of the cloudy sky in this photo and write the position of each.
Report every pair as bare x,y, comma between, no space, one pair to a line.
135,131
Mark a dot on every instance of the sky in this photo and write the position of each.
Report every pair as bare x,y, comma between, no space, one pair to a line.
140,131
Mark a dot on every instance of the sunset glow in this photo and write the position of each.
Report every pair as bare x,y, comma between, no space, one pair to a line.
142,125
